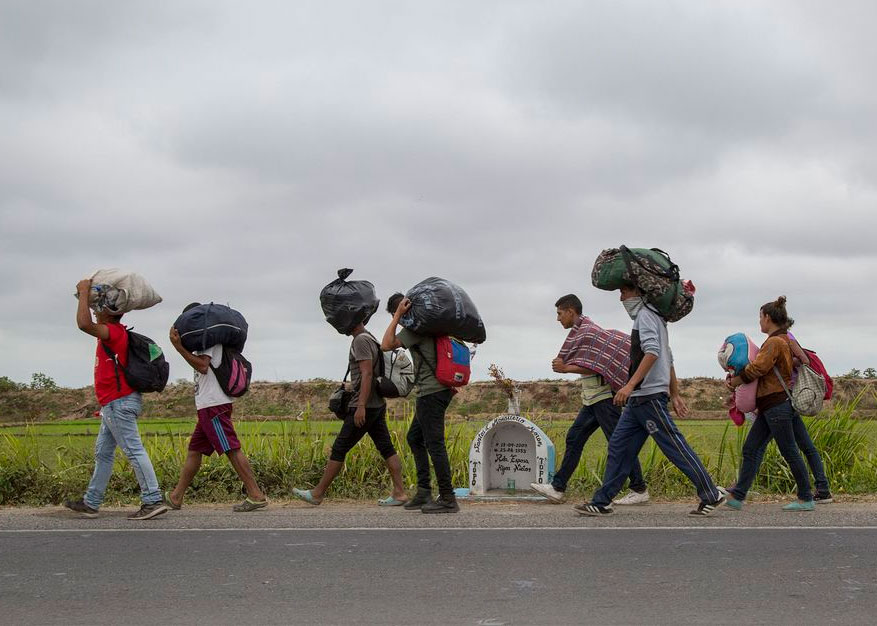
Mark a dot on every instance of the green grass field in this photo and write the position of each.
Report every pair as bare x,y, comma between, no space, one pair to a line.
704,435
50,461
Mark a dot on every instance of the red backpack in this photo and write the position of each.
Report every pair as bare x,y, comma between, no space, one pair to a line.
819,368
452,367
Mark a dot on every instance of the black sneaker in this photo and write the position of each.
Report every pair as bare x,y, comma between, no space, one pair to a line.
442,504
593,510
823,498
148,511
81,507
705,509
423,496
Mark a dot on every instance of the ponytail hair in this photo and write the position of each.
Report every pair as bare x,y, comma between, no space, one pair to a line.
776,311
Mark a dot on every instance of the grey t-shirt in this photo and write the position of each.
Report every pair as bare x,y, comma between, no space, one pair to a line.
364,347
650,336
424,357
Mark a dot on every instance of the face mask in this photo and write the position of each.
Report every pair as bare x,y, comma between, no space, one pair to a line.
633,306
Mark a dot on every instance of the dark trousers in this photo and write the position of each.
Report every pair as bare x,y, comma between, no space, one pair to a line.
604,415
644,416
350,434
808,449
426,438
776,422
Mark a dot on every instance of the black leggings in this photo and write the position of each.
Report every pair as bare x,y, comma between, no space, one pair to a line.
376,427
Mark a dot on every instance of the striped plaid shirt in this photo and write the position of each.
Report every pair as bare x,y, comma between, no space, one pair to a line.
606,352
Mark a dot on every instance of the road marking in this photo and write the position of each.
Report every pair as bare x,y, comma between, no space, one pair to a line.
421,529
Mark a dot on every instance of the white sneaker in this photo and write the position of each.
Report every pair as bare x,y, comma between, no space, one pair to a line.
633,497
554,496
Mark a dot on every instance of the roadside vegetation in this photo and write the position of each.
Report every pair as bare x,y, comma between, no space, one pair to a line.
45,463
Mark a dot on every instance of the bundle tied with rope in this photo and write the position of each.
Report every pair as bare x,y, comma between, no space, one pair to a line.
652,272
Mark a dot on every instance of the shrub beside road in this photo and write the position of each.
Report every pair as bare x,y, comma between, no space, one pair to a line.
45,463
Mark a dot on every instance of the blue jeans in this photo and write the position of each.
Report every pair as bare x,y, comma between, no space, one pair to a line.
776,422
604,415
644,416
808,449
118,427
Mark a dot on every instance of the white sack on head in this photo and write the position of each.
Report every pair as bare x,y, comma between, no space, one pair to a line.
117,291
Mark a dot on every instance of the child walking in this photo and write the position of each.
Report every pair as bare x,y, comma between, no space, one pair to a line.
214,431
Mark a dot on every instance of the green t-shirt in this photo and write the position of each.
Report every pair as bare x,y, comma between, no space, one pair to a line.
594,389
423,354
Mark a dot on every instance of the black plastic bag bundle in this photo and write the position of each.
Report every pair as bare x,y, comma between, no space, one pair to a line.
207,325
439,307
348,303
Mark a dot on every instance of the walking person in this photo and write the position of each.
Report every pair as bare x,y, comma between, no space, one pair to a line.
601,357
366,415
426,435
822,493
120,407
214,431
776,417
645,397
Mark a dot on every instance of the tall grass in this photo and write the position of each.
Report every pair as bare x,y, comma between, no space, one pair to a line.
32,473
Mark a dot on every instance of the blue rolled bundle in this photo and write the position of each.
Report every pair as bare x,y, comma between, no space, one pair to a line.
207,325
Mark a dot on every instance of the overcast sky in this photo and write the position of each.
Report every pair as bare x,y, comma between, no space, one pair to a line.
243,152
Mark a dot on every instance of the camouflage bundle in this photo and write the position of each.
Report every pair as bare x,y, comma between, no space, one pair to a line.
652,272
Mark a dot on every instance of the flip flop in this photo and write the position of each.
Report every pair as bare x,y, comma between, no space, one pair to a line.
169,502
250,505
305,494
391,501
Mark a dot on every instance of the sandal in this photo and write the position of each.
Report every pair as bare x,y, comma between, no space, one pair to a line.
169,502
305,494
391,501
250,505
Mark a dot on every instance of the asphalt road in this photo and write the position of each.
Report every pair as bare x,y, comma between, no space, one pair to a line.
110,571
512,563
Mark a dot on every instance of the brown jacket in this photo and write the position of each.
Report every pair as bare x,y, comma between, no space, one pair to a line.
775,351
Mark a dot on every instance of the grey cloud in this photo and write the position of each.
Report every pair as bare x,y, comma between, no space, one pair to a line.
244,155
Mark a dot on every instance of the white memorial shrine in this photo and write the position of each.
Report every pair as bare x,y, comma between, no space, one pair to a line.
508,454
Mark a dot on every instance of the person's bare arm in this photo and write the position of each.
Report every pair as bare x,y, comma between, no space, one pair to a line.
83,314
390,341
365,391
644,367
562,368
200,362
679,404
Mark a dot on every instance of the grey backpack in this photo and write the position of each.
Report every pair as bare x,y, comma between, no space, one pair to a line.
395,374
808,391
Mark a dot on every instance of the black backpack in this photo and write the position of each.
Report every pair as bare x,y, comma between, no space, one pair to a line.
234,373
147,369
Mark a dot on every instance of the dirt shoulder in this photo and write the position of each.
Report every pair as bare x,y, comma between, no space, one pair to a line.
850,512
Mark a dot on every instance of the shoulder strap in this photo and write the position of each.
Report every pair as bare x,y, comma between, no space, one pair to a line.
423,359
782,382
115,359
380,364
223,353
204,331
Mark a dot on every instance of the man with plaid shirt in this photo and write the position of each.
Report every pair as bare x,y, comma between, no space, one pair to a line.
602,358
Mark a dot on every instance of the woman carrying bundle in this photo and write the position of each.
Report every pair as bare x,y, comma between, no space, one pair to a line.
776,417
